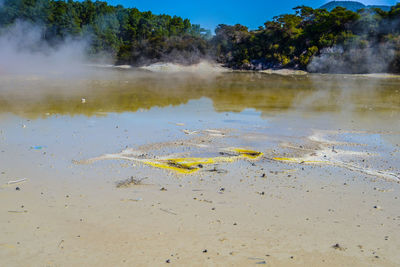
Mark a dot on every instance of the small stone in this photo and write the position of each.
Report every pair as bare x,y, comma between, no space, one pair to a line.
205,251
168,261
17,188
337,246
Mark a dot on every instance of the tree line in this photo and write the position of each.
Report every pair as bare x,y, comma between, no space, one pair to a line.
343,37
313,39
130,36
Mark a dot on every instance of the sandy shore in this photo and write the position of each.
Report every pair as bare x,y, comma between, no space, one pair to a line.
250,211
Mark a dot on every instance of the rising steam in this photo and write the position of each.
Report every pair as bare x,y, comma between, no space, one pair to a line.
373,59
24,51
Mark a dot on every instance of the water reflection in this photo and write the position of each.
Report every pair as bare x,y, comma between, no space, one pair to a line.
129,91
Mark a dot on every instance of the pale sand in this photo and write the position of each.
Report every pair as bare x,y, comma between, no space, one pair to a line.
292,216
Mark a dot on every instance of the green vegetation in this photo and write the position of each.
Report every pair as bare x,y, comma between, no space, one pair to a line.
363,41
127,34
351,41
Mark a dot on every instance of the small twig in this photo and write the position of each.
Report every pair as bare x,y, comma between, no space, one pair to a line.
130,182
168,211
17,181
18,211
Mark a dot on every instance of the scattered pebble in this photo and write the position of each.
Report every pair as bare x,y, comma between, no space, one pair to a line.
338,247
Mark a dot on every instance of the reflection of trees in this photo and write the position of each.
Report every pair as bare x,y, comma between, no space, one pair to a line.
230,92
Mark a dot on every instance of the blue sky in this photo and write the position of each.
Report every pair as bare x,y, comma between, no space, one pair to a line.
210,13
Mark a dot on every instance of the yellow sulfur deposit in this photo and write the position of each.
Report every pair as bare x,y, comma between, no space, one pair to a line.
170,165
186,165
250,154
191,165
183,165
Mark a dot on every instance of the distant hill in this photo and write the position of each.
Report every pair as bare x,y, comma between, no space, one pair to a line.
352,5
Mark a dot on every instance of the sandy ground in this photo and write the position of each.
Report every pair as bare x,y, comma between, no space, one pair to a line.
259,211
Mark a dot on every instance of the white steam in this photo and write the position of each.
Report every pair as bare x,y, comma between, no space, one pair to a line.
373,59
23,51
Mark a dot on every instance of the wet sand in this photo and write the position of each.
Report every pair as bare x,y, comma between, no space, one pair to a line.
324,191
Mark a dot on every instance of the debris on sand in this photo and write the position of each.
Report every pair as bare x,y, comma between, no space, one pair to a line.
17,181
132,199
188,132
17,211
338,247
169,211
37,147
130,182
219,171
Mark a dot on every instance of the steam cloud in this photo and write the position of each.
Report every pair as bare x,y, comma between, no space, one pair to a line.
23,51
373,59
373,55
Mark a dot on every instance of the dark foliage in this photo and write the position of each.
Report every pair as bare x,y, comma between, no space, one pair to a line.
127,34
340,37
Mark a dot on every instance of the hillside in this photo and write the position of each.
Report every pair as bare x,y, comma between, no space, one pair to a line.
352,5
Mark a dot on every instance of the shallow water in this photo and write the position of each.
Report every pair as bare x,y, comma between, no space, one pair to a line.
109,110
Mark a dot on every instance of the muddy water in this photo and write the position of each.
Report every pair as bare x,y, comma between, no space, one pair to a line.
143,107
130,91
279,169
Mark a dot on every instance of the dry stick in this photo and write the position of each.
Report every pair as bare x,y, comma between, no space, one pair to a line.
17,181
170,212
18,211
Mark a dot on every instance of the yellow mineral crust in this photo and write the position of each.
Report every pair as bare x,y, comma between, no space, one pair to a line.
191,165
